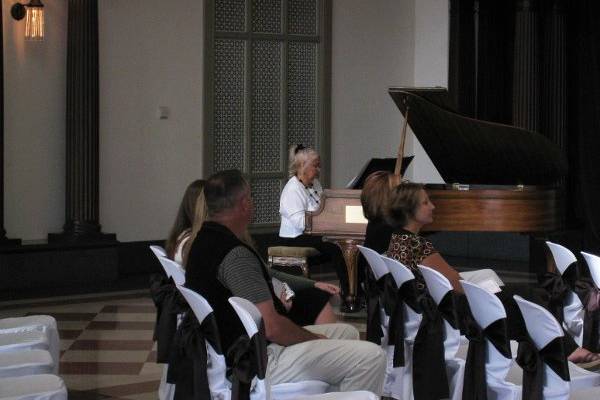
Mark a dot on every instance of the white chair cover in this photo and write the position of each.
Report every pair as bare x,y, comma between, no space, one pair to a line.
593,263
439,286
44,323
374,260
573,311
398,381
220,387
173,270
11,341
158,251
28,362
543,328
251,319
33,387
486,309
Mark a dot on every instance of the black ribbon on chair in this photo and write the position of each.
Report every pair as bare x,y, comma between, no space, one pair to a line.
374,331
589,295
475,383
169,303
189,358
249,359
380,294
447,308
408,294
558,287
430,380
532,361
557,291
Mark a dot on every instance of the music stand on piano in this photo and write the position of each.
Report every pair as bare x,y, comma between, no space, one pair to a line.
377,164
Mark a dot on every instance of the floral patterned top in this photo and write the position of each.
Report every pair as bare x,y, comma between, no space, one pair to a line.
410,249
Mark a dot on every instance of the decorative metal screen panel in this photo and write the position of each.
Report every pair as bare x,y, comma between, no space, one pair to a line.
230,15
228,145
265,150
302,17
265,193
302,93
266,16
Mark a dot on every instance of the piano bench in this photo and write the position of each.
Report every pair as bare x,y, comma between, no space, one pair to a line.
294,258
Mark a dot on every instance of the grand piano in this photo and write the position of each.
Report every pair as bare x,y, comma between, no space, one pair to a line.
499,178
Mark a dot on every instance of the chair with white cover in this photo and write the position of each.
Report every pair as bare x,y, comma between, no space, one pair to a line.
441,291
33,387
262,390
573,311
399,380
377,315
26,362
43,323
158,251
544,331
490,316
12,341
220,387
173,270
593,263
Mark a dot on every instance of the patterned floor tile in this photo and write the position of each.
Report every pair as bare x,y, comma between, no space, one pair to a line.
105,356
94,382
99,368
125,325
137,317
121,334
112,345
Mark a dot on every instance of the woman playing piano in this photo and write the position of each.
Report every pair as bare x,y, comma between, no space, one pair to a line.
303,193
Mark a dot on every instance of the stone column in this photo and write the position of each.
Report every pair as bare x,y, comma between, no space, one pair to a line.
81,208
526,67
3,240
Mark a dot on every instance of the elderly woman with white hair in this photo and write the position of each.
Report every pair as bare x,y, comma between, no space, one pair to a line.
303,193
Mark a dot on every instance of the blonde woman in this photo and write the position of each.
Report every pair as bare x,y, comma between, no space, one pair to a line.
303,193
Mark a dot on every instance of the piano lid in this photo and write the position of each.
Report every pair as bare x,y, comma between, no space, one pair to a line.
471,151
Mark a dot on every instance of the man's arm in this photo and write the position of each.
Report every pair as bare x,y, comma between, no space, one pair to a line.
280,329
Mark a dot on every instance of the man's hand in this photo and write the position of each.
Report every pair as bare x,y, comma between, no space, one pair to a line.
328,287
287,304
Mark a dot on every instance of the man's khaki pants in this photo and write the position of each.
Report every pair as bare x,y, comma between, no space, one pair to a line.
343,361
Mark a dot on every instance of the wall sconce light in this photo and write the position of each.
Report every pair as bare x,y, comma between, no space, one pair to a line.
33,12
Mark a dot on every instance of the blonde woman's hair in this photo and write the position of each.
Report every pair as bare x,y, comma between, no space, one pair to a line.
298,157
375,195
404,201
200,215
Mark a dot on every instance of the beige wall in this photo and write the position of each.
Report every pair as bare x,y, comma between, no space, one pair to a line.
151,56
34,125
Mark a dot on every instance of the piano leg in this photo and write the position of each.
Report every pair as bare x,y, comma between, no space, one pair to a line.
350,253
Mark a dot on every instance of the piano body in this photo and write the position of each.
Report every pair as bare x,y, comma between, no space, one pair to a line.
500,178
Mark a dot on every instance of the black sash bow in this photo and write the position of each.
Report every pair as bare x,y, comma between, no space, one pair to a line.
380,293
169,303
430,380
475,385
249,359
556,291
407,294
558,287
189,358
532,360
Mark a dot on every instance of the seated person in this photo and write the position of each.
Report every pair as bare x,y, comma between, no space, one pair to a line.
221,265
409,210
303,193
192,211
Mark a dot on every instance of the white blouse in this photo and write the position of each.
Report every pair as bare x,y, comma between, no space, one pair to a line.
295,200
